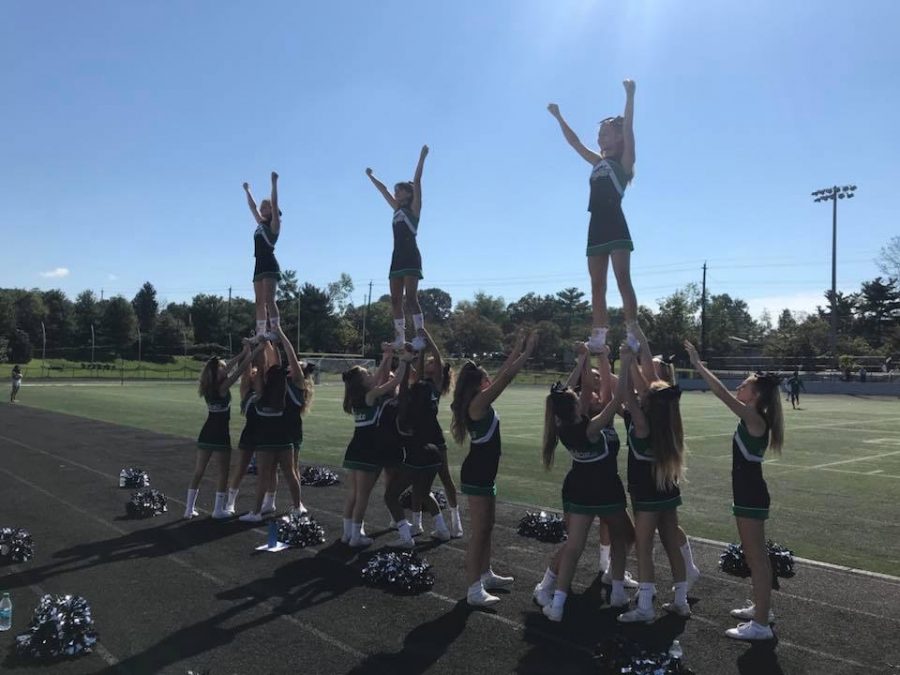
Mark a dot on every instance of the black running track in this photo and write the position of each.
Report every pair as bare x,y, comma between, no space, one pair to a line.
170,595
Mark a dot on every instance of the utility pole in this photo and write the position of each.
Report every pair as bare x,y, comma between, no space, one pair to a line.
365,317
101,295
832,194
703,316
298,323
228,322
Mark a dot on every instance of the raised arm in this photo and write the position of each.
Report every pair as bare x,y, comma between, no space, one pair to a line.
583,357
293,361
628,128
384,368
646,367
438,361
416,205
603,418
755,422
608,381
252,204
240,364
377,392
388,197
483,399
588,155
275,225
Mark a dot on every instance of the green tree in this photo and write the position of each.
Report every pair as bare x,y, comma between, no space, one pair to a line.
889,258
181,311
878,304
119,323
87,314
728,317
574,310
60,320
7,313
288,287
437,305
30,312
169,335
208,314
339,293
532,308
146,307
675,321
472,333
318,326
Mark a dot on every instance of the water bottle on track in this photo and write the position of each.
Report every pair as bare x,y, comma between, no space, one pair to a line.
5,612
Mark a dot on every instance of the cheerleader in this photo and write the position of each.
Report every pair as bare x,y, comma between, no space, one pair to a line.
608,235
655,466
266,273
592,487
296,405
422,436
757,403
273,445
474,416
364,395
439,375
215,439
406,261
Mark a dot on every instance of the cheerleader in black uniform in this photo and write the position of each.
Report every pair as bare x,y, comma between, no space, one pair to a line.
608,235
422,437
266,273
474,416
440,376
655,466
215,440
406,262
364,395
758,405
272,443
645,371
592,487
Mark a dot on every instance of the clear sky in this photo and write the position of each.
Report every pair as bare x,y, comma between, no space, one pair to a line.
128,128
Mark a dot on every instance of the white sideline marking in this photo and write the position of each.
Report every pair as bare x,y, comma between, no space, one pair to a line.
884,441
330,639
856,459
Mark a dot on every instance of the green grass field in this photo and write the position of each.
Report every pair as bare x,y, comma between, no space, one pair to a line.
835,489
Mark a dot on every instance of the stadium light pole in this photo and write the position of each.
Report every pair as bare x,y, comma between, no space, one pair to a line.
93,343
833,194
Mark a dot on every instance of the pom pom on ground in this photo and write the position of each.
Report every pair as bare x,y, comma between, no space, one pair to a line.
732,561
146,503
61,627
15,545
318,476
619,654
543,526
133,478
300,531
400,572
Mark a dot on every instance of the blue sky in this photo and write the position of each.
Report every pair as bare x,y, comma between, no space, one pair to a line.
127,129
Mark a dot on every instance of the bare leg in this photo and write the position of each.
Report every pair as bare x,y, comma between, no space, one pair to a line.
621,262
259,293
285,461
668,534
222,462
395,482
597,266
266,462
241,469
202,459
481,521
350,501
753,540
271,307
621,533
411,291
579,526
396,284
365,481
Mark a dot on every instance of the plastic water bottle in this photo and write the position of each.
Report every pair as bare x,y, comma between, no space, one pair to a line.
122,478
5,612
273,535
675,651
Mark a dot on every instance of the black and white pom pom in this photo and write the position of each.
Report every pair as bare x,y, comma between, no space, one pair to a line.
543,526
401,572
732,561
406,498
318,476
146,503
300,531
61,627
133,478
619,654
15,545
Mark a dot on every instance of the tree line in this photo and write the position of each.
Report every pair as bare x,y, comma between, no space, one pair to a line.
868,323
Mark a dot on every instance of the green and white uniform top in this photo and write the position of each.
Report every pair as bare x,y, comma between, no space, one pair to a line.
406,226
751,448
574,438
218,404
366,416
264,240
485,430
608,180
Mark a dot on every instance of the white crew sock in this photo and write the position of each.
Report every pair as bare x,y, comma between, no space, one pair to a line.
549,579
400,328
646,592
688,555
681,593
559,598
356,530
417,519
275,321
268,501
604,557
191,500
260,326
419,321
439,522
476,589
617,595
403,529
348,527
220,502
232,498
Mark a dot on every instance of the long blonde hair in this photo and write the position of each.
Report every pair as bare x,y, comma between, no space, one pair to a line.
209,377
768,404
468,383
663,413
